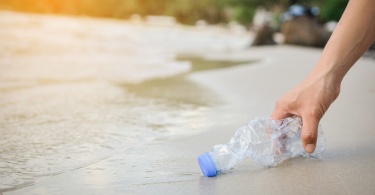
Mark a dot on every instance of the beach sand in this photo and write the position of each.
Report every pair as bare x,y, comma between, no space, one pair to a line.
169,165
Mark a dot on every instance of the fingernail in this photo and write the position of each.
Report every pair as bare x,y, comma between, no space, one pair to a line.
310,148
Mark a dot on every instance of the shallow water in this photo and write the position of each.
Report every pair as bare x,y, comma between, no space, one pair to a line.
74,91
49,129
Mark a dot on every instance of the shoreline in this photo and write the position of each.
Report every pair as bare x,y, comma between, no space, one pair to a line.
169,165
63,104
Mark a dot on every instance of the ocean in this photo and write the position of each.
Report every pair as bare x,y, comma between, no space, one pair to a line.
75,91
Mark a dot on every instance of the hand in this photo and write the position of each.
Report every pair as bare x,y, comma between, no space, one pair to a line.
309,100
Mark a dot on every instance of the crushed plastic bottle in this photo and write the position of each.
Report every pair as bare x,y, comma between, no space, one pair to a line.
268,142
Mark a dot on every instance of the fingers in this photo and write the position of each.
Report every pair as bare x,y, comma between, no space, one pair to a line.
280,112
309,133
310,124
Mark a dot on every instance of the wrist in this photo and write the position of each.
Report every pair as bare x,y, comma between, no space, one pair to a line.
329,77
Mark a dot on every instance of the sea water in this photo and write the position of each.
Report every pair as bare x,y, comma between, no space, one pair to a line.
71,92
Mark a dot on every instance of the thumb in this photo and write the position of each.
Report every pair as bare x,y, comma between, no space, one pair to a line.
309,133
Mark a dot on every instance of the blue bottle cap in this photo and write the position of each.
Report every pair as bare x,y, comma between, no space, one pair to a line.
207,165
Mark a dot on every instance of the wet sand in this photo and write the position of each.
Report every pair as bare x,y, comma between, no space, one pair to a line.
70,93
169,165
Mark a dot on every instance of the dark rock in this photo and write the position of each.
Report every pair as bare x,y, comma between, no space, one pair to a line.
263,36
305,30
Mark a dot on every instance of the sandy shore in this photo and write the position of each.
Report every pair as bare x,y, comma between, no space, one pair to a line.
169,166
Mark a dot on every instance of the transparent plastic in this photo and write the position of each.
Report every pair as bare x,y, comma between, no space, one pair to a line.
268,142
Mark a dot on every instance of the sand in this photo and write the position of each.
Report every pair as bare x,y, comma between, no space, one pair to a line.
169,165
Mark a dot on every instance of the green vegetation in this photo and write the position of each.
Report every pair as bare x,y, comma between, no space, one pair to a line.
333,9
185,11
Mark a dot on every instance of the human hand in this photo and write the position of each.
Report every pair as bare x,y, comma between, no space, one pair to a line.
309,100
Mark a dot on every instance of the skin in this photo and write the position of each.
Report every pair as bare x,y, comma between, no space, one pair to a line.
311,98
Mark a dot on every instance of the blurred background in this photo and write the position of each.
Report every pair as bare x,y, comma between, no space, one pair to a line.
318,16
185,11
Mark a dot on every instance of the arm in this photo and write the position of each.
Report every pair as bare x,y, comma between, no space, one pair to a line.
312,97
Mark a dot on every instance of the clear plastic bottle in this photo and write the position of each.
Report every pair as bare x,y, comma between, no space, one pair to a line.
266,141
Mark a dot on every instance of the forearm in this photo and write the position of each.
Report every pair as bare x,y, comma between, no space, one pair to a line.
314,95
352,37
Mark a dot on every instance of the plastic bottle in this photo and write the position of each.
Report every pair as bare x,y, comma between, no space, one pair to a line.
266,141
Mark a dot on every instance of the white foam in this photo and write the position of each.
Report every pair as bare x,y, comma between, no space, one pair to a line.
64,48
